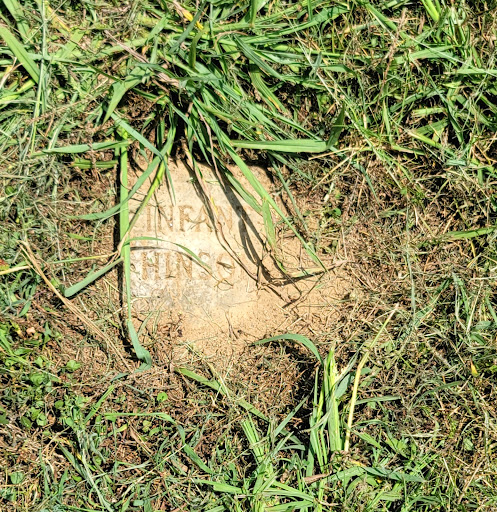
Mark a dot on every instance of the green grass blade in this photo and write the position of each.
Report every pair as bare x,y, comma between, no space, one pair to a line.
268,224
20,53
221,487
16,10
121,123
283,146
162,170
337,129
89,164
83,148
298,338
124,226
144,176
264,194
469,234
393,475
159,415
95,407
254,57
90,278
221,388
329,385
119,89
433,9
265,92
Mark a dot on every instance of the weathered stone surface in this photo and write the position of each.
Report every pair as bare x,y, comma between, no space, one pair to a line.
238,294
166,271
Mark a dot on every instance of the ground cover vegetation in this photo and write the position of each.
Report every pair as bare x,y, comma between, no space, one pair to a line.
376,121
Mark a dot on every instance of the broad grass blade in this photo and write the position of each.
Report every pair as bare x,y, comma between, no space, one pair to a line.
90,278
20,52
298,338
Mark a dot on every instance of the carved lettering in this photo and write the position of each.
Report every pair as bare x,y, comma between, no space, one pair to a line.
205,257
150,212
172,264
209,279
184,217
167,265
184,262
148,265
165,215
159,218
203,218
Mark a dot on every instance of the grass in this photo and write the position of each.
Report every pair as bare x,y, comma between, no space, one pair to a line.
377,122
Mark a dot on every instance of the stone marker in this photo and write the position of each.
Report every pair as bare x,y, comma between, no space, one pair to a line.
206,276
220,288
